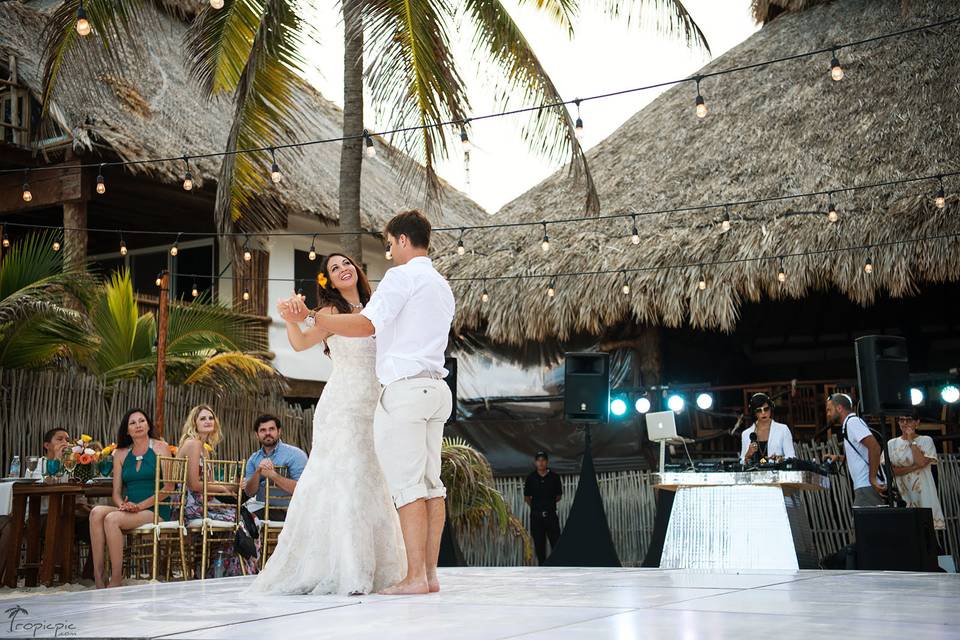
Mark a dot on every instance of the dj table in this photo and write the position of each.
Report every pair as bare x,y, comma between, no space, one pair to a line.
739,520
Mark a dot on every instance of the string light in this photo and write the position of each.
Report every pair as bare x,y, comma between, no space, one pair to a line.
545,243
832,214
174,250
550,290
6,241
26,195
941,199
460,248
781,274
464,138
868,266
702,284
187,176
371,150
216,4
83,25
700,104
56,245
484,297
246,294
247,255
634,234
626,285
123,246
101,187
275,174
836,71
194,292
159,279
313,249
578,125
725,224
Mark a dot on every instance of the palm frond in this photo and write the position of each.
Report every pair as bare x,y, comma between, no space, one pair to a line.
38,341
413,78
115,320
200,327
551,131
231,370
668,17
218,44
563,12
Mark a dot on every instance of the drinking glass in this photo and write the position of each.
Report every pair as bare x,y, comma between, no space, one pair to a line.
69,464
53,467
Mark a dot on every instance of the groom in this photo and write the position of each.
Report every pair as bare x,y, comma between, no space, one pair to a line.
410,314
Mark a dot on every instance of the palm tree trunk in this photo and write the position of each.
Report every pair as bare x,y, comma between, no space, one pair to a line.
351,153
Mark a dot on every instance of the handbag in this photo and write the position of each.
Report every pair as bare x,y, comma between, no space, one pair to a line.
244,542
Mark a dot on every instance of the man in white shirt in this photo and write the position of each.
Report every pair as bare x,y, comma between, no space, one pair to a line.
410,314
861,449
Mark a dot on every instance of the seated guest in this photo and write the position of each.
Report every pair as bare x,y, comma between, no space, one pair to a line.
772,438
912,456
273,453
198,439
134,473
55,442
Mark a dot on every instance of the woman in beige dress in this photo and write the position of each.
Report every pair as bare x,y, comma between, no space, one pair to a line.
912,456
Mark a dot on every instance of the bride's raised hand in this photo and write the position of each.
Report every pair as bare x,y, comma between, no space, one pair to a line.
293,309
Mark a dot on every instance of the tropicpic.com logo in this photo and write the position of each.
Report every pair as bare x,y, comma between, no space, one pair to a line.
22,627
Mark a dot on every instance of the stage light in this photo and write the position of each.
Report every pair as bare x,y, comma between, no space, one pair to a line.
643,405
705,401
676,403
950,394
618,407
368,140
836,71
916,396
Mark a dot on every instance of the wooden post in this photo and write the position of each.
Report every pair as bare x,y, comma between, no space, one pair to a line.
74,241
162,312
14,104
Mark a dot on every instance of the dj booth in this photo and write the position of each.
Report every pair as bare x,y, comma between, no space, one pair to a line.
739,519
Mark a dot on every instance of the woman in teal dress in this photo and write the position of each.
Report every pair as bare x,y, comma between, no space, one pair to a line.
134,471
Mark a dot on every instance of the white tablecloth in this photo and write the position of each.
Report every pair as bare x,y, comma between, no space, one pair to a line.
6,498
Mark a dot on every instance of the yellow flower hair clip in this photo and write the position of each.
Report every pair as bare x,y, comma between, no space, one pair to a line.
322,280
208,447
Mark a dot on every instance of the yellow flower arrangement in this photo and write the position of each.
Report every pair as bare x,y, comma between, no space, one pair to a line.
85,438
322,280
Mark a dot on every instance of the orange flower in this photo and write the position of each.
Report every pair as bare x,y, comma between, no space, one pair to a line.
322,280
85,458
173,450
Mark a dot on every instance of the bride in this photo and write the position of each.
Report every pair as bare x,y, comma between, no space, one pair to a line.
342,533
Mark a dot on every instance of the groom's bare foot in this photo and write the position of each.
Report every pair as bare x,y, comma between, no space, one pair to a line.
407,588
433,582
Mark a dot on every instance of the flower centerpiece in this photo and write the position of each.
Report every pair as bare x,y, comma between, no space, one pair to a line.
87,458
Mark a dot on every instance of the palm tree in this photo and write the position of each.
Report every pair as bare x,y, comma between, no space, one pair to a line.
206,344
473,502
250,52
37,323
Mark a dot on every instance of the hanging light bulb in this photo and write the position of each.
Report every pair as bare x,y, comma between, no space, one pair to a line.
174,250
6,241
101,187
194,292
484,297
216,4
368,140
634,233
832,214
83,25
781,274
159,279
700,103
27,196
725,224
465,139
460,248
578,125
545,243
702,284
941,200
626,285
836,71
247,255
868,266
187,176
246,294
56,245
275,174
550,290
123,247
313,249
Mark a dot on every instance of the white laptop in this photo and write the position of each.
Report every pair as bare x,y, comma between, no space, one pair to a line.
661,425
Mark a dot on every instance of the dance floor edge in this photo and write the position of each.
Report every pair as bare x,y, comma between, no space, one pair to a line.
520,602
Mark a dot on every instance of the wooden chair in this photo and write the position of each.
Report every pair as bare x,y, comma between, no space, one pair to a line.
219,530
275,505
150,540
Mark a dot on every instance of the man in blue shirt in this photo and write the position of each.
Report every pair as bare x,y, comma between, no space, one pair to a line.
260,466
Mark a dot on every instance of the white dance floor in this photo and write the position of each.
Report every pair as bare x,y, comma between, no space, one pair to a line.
528,603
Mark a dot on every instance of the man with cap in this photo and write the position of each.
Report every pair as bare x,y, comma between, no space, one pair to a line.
542,492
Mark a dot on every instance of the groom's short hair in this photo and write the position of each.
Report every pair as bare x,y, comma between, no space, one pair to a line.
265,418
412,224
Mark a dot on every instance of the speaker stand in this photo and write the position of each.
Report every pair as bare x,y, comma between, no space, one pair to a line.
585,540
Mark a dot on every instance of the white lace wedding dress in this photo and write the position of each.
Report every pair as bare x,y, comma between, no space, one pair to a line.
342,533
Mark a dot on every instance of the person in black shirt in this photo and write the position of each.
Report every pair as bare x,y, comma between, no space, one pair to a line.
542,492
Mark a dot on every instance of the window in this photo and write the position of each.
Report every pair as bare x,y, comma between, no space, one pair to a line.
305,273
194,264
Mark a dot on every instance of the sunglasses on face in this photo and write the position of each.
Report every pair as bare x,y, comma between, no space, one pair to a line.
763,410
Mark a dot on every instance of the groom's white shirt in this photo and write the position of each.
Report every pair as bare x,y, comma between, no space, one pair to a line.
411,312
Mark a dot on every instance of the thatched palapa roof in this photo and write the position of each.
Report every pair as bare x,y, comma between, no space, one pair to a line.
775,130
156,110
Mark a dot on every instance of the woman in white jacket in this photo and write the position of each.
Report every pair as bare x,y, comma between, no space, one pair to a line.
773,438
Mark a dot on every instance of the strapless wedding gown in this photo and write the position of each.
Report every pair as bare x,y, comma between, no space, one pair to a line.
342,533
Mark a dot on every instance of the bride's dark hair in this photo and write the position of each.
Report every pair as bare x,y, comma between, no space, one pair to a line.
331,297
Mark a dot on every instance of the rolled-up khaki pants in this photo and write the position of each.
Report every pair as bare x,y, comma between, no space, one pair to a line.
408,432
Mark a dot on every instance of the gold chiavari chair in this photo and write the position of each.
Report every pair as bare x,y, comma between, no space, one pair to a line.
275,505
150,540
220,519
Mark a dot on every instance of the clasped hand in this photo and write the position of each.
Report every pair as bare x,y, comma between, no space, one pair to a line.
293,308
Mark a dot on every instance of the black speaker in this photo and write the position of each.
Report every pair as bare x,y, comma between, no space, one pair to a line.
586,387
890,539
883,374
450,364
